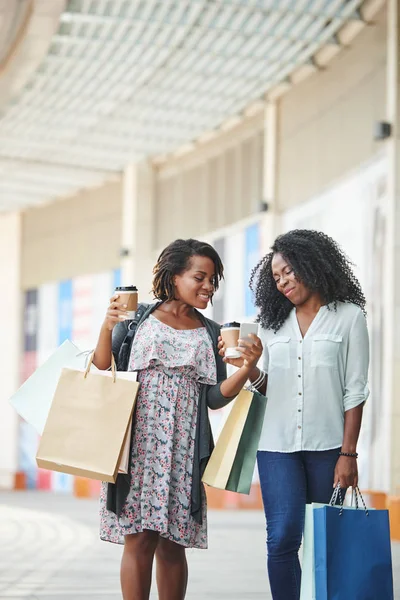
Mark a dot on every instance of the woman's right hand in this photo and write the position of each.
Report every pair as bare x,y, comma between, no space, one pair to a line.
116,313
236,362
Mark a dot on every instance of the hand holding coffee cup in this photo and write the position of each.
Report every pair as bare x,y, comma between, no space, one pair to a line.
227,344
123,306
230,335
248,348
116,312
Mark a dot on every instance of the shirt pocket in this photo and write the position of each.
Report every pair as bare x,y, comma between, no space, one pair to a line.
279,352
325,349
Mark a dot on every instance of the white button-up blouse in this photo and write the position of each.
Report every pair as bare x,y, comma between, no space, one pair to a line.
313,380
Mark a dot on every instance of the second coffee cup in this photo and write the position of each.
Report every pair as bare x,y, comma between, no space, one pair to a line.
128,295
230,335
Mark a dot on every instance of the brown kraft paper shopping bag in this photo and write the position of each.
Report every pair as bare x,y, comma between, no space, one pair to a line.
221,460
124,460
88,423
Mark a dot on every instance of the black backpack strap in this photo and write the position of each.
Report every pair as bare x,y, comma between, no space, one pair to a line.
117,492
125,350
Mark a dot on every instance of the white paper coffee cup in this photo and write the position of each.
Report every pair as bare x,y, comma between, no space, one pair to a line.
230,335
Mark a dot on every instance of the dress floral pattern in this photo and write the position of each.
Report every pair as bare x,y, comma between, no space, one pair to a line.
171,365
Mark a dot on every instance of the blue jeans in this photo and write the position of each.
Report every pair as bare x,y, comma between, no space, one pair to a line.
288,482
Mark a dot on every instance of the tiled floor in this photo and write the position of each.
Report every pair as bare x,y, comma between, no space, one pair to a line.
49,549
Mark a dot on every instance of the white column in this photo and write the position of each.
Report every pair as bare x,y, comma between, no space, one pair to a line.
270,221
138,228
392,271
10,348
129,189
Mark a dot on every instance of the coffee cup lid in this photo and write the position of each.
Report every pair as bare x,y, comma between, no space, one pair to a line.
232,324
126,288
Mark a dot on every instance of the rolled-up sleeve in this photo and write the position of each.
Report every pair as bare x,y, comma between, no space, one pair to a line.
357,364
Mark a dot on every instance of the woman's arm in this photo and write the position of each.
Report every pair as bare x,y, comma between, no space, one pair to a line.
102,353
112,334
355,395
346,471
234,383
222,393
255,373
352,426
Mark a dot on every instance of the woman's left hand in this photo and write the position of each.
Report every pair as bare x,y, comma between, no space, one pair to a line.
346,472
250,350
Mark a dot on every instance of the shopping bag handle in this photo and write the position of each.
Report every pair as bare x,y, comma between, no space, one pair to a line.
354,495
113,366
337,493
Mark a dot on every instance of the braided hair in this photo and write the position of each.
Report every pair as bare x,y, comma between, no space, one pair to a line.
318,262
175,259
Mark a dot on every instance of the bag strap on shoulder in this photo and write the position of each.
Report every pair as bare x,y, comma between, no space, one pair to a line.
124,351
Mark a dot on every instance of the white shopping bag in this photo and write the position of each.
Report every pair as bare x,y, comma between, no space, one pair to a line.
308,562
33,399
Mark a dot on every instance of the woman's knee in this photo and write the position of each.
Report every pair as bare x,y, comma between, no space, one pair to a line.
284,539
142,543
169,551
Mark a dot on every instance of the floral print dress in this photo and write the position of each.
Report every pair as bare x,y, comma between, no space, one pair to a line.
171,365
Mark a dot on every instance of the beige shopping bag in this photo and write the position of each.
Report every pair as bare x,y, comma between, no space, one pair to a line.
124,460
88,423
221,461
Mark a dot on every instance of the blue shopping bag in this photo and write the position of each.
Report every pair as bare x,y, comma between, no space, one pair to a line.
352,551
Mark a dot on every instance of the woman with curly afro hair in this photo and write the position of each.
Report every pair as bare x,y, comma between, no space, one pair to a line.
314,371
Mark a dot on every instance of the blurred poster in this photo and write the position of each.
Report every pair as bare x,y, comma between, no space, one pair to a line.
28,437
102,290
64,311
240,251
116,275
30,321
71,309
234,290
47,335
252,256
82,311
218,310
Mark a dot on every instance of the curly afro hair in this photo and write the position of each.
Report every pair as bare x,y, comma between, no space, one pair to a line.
318,262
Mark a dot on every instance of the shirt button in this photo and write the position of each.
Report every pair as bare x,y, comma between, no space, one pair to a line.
299,357
301,341
298,375
299,427
299,393
299,410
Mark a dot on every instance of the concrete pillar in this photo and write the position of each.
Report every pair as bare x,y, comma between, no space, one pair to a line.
10,355
392,271
138,228
271,219
128,224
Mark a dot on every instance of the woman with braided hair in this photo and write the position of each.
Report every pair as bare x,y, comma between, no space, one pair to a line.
159,508
314,372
